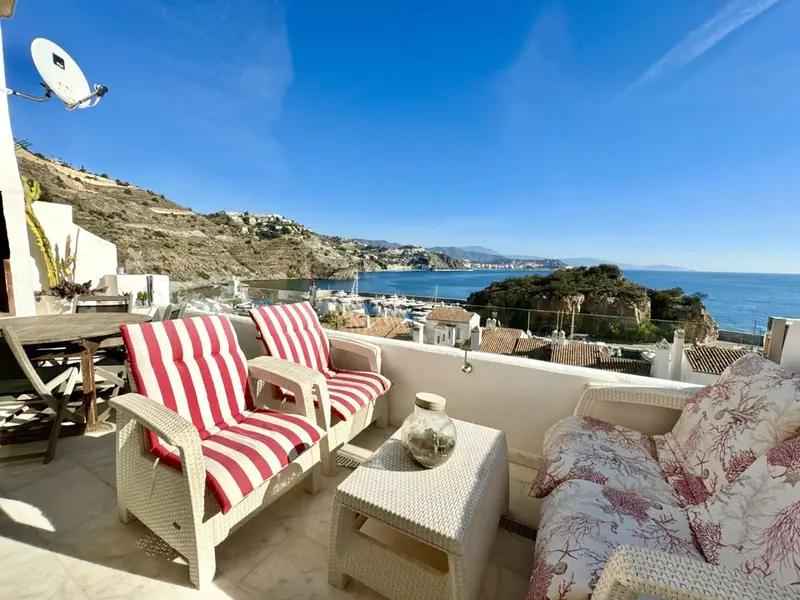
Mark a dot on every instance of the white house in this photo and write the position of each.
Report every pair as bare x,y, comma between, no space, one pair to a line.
462,322
444,335
699,364
95,257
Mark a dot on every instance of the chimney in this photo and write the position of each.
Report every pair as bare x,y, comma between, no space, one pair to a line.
417,333
660,366
475,338
676,356
368,322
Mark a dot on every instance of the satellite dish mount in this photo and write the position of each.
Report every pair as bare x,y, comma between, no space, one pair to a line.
62,76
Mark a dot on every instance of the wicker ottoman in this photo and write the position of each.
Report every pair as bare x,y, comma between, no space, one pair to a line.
454,508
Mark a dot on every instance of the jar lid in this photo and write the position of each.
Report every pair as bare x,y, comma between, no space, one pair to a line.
429,401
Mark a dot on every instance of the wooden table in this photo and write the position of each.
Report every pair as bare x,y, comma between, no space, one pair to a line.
86,330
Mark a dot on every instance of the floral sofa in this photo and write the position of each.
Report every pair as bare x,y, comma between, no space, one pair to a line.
709,510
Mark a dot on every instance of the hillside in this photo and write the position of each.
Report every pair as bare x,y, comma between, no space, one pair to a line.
155,235
593,262
479,255
605,303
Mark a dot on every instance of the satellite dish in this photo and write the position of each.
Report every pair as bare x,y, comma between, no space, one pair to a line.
62,76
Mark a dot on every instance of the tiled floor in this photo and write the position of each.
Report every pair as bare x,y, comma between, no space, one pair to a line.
60,538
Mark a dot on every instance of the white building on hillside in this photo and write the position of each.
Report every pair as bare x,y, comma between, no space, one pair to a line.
462,322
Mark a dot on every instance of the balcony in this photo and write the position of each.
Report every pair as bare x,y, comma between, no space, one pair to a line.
60,536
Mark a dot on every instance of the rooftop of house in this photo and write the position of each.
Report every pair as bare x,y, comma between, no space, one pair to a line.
500,340
712,360
510,342
452,314
385,327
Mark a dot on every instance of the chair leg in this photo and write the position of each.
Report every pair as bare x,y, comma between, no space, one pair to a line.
55,430
382,422
125,516
203,565
329,466
313,481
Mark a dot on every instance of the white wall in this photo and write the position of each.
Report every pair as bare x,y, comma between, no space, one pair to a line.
14,206
119,285
95,256
689,375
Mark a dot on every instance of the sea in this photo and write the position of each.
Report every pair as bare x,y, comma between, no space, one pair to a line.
738,301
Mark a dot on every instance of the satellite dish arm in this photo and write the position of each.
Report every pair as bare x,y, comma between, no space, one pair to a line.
99,92
47,94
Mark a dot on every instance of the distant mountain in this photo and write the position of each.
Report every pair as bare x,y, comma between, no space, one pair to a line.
525,257
471,253
593,262
379,243
481,249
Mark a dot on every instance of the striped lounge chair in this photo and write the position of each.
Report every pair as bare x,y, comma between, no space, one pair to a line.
196,457
348,401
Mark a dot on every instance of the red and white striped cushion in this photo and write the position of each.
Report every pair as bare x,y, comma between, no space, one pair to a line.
352,390
241,457
196,368
193,367
293,332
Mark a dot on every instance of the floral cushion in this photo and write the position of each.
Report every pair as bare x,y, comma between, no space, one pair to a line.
592,450
687,486
727,425
753,524
583,523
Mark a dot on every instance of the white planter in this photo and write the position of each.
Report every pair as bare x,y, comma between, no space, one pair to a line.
53,305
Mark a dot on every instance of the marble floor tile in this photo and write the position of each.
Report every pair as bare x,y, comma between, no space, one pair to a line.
17,474
28,572
512,586
60,537
295,568
490,582
512,552
68,498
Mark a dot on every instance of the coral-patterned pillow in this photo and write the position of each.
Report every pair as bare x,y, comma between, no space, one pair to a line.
753,524
727,425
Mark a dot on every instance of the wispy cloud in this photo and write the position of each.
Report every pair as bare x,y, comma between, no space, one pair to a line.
230,64
725,21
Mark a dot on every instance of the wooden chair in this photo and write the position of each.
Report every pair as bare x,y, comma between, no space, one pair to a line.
26,386
172,311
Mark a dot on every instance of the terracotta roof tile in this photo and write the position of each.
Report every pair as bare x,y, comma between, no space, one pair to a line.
712,360
453,314
533,348
499,341
509,342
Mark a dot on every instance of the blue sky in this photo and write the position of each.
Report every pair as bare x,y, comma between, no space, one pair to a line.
640,131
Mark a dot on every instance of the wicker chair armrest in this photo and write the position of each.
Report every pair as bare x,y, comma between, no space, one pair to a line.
369,351
299,380
135,410
633,571
674,398
167,424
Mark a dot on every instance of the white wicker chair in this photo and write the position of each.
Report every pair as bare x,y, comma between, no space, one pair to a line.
187,493
298,346
634,572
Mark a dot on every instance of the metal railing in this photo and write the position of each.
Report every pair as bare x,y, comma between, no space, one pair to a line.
627,329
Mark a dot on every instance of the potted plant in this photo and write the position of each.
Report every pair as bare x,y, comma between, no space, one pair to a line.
60,297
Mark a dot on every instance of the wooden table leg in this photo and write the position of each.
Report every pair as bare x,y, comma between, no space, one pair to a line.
89,390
